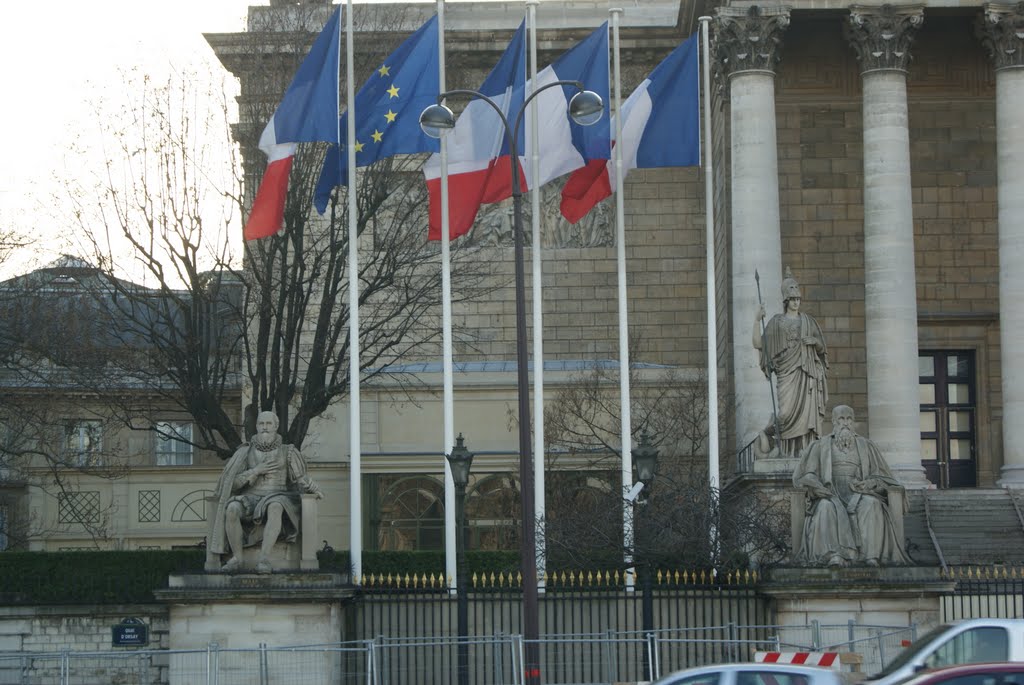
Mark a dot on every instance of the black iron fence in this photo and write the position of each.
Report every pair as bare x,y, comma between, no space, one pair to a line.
989,592
593,625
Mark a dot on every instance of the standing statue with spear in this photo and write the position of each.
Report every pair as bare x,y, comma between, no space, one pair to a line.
792,347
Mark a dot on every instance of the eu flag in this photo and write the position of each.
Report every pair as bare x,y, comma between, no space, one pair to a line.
388,108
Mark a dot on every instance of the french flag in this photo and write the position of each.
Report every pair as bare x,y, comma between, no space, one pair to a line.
660,128
479,167
308,112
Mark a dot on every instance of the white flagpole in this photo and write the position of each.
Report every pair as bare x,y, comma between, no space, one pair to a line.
450,566
538,311
709,212
620,241
355,455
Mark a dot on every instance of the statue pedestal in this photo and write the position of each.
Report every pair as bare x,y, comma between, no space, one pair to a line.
873,597
245,611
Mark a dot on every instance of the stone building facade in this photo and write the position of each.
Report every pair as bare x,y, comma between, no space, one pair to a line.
872,150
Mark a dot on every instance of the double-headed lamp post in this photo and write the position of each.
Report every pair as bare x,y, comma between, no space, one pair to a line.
460,460
585,108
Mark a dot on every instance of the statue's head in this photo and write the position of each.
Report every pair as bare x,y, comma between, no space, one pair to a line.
842,417
267,423
790,289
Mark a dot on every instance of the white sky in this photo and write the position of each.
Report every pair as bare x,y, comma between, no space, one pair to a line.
63,58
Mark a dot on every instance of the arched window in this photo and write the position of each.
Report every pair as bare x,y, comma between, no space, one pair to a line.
412,515
492,510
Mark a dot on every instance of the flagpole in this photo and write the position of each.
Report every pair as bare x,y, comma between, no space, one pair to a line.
620,242
538,308
355,455
450,559
709,239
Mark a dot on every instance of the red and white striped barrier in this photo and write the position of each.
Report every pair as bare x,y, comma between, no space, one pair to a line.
823,659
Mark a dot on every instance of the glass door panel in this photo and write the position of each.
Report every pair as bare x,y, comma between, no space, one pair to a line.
947,394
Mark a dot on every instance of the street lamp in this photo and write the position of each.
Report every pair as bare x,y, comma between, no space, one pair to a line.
585,108
645,457
460,460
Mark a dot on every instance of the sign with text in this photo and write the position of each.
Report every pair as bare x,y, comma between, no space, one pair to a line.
131,632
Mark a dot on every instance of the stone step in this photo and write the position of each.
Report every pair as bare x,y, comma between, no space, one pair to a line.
973,527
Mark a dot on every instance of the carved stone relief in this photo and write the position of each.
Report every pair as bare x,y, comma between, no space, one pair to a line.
881,35
494,223
749,39
1001,30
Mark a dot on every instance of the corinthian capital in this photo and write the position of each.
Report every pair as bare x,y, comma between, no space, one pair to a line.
881,34
1001,30
749,39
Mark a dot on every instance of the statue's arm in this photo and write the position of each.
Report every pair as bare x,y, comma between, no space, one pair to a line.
806,477
299,475
757,336
239,477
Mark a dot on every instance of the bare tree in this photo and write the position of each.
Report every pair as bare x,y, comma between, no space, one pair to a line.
680,521
270,316
56,439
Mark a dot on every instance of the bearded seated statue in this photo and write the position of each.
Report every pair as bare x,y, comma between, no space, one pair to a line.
848,508
265,513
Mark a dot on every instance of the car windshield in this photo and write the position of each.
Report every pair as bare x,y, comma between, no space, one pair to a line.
908,654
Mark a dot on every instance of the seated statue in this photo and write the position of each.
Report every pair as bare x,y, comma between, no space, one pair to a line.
258,497
847,483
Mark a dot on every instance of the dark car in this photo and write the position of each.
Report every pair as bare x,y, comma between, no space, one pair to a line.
1000,673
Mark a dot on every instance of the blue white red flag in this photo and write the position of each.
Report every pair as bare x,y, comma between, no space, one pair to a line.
480,170
388,108
308,112
660,128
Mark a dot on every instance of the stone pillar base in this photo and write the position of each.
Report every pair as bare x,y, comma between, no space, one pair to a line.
245,611
1011,476
911,476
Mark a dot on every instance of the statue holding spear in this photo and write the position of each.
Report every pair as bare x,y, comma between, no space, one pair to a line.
792,347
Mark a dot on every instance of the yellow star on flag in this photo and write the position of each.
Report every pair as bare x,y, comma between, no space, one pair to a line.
359,146
390,116
384,70
377,136
393,91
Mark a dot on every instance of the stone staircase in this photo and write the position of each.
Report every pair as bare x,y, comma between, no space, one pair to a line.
971,527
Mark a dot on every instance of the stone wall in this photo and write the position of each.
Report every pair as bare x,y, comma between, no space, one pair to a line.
79,628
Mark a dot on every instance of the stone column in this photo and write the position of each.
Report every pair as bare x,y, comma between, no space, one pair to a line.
881,37
747,42
1002,31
